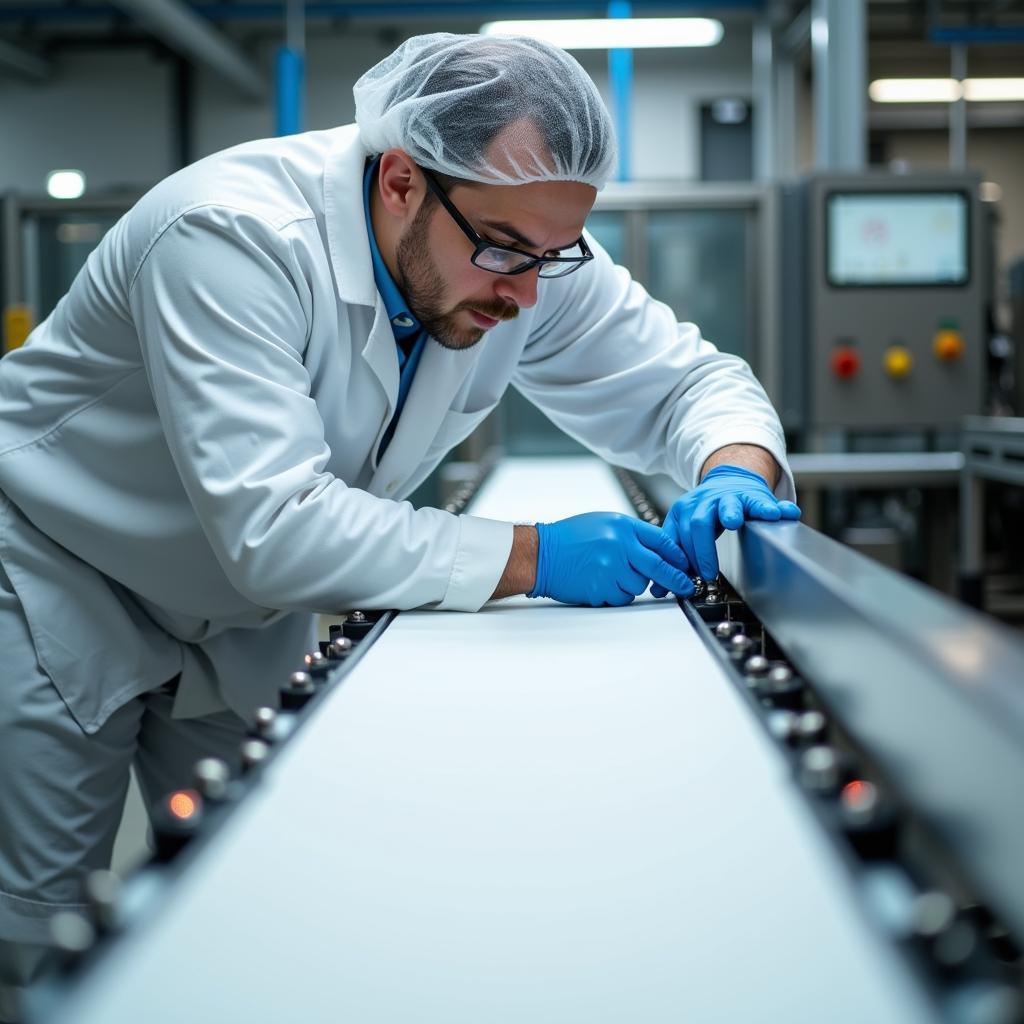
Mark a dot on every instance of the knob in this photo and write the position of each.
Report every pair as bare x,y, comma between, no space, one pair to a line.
780,688
316,665
845,362
820,770
356,626
898,361
948,343
254,754
782,725
212,778
272,726
339,648
727,630
741,647
103,894
297,691
810,727
758,665
949,936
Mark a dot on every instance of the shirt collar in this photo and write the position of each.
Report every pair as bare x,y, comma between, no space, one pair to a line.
403,323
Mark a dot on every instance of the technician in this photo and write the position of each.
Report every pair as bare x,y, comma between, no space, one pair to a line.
209,438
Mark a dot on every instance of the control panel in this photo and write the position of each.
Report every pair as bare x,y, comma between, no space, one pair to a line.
893,291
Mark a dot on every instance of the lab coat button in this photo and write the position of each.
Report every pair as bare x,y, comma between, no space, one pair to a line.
391,486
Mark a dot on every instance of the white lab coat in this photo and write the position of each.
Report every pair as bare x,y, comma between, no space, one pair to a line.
188,443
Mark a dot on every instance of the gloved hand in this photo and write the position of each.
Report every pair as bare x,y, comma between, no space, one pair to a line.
725,498
601,558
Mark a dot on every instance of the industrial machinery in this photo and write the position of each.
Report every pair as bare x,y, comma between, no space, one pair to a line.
793,797
885,302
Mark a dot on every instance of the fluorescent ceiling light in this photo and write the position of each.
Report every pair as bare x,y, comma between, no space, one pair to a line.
613,33
65,184
994,89
914,90
946,90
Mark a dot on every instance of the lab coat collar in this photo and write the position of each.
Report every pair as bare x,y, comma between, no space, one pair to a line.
441,371
350,253
346,224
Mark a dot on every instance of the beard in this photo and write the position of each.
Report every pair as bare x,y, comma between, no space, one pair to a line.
423,287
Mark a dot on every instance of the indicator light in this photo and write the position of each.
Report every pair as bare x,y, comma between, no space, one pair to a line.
898,361
183,803
845,362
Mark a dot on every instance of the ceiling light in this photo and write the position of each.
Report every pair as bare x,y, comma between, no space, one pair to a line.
946,90
65,184
914,90
613,33
994,89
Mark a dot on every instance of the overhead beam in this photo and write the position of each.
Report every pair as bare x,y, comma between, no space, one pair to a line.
27,64
191,35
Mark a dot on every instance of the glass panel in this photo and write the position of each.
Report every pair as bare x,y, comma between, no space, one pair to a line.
698,265
63,242
609,228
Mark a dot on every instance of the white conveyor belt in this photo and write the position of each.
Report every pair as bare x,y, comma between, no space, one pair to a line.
534,814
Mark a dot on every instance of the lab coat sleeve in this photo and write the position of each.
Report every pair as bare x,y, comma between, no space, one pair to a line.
615,370
223,310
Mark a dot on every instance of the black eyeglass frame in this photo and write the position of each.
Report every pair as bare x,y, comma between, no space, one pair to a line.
480,245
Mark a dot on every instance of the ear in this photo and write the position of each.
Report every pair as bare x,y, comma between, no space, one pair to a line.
400,184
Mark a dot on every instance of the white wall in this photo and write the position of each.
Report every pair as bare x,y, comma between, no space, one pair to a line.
105,112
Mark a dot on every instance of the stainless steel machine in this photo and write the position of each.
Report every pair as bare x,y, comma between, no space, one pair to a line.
886,302
794,797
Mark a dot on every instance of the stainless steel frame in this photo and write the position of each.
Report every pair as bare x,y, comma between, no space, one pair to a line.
993,448
931,690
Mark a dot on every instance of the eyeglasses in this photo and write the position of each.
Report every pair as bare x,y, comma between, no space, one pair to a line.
501,259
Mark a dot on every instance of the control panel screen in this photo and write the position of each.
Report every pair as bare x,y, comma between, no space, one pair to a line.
897,238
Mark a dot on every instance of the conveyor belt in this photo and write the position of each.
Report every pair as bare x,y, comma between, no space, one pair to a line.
534,813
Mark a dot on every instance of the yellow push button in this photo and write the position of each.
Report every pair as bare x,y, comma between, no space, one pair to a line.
948,345
898,361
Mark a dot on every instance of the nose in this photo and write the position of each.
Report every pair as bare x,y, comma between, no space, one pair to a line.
520,289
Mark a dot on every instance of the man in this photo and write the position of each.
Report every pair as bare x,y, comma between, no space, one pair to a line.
208,439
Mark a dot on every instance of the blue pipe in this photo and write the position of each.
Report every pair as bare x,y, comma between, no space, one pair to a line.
976,35
289,72
620,75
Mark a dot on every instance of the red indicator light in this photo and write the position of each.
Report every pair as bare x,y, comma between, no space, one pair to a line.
845,362
183,804
858,795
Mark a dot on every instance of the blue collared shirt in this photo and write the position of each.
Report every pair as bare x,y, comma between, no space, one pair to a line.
410,335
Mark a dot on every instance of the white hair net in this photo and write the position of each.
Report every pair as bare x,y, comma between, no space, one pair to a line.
494,109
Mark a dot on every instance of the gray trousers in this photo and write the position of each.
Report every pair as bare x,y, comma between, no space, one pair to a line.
62,791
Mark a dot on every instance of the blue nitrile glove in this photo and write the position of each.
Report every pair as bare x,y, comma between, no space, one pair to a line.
601,558
725,498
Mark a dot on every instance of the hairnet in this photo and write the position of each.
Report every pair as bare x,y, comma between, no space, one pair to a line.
499,110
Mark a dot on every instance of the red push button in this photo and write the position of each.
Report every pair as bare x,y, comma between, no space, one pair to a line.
845,362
